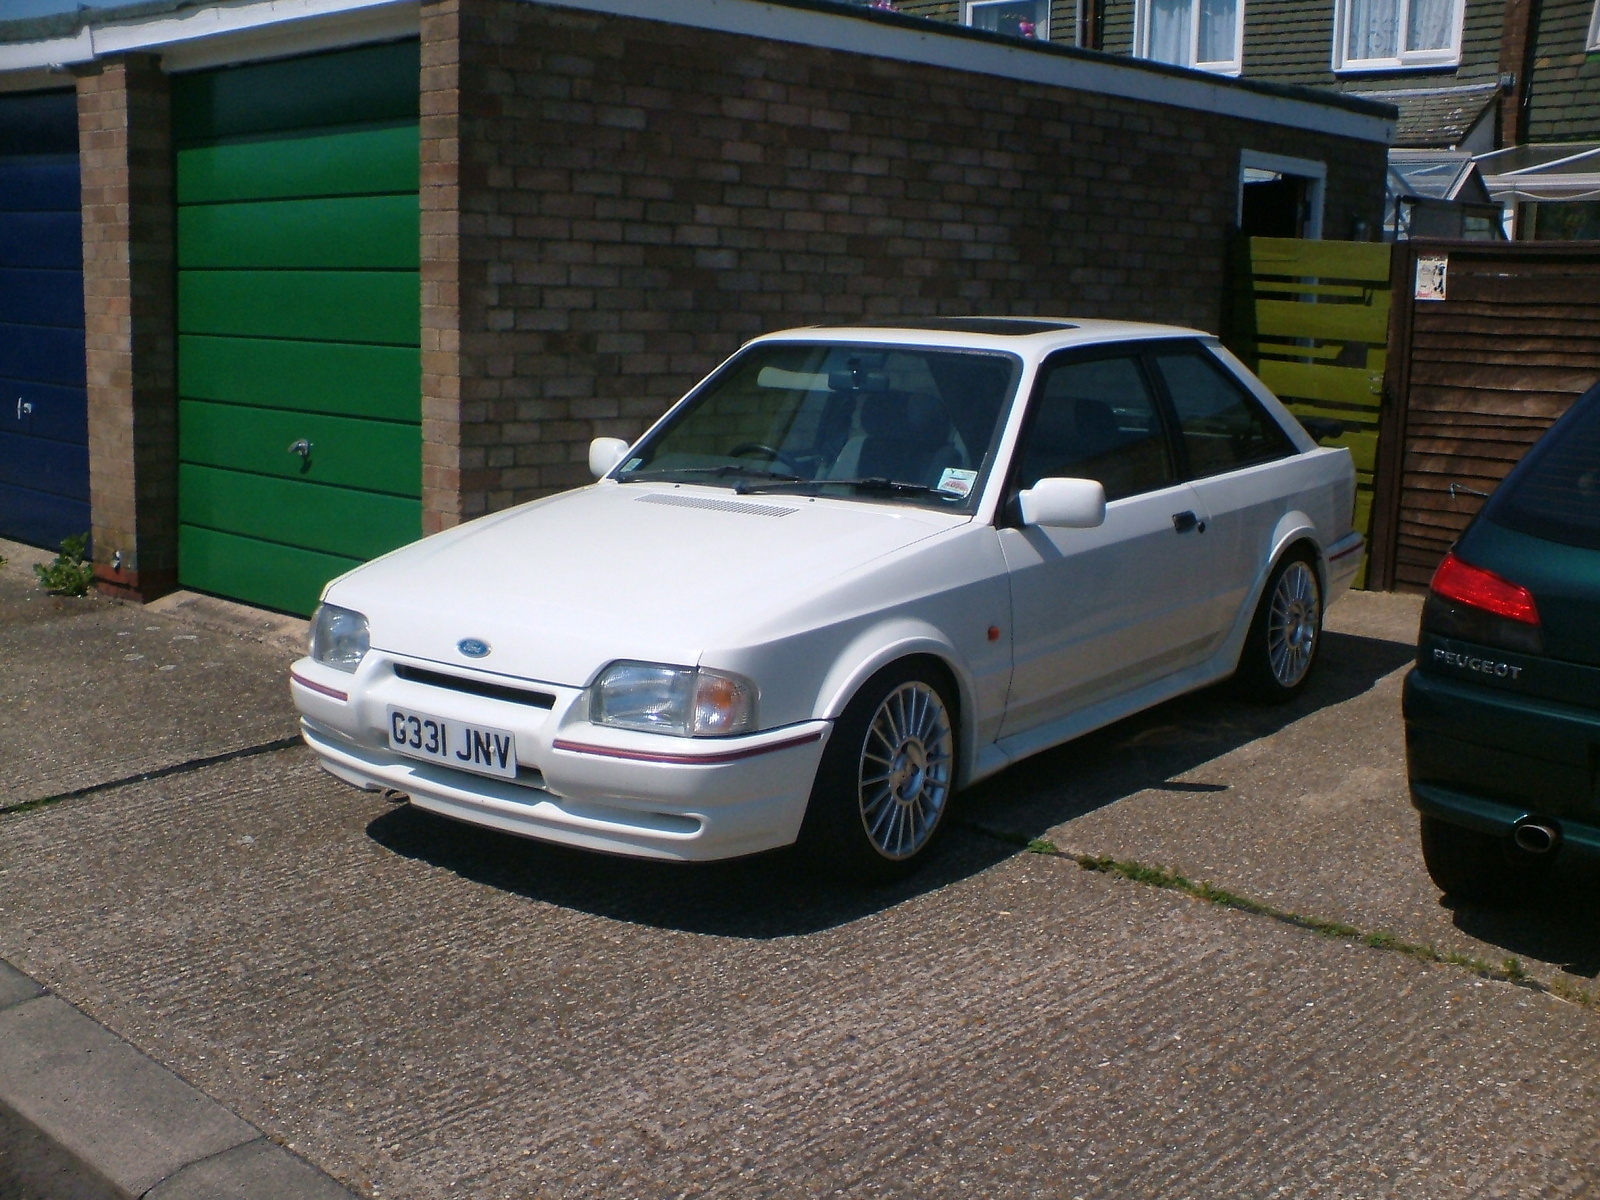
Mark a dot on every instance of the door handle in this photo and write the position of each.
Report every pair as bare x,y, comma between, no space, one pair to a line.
24,409
1185,521
302,447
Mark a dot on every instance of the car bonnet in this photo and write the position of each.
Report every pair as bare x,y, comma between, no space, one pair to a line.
561,587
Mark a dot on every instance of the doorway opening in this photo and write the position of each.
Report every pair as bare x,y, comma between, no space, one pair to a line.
1280,197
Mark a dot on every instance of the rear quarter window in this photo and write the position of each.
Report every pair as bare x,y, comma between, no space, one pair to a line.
1555,493
1223,426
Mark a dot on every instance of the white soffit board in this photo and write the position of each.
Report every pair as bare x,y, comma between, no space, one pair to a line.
202,37
935,47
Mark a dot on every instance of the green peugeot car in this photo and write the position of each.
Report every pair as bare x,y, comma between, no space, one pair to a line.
1502,711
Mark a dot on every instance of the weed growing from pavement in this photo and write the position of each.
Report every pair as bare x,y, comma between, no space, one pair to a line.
69,574
1509,970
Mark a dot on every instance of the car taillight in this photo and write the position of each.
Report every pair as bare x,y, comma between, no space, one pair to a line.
1471,604
1477,588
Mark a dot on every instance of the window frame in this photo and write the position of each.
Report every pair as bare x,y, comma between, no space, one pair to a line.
1407,60
1592,43
1233,66
1007,512
1041,28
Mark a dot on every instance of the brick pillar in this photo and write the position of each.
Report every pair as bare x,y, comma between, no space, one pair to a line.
443,458
1516,61
125,147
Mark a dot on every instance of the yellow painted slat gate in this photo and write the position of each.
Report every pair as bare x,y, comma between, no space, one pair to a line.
1312,319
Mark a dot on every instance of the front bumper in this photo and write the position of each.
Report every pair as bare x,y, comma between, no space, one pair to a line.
596,788
1486,759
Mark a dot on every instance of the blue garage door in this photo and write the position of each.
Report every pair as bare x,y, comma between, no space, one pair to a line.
44,438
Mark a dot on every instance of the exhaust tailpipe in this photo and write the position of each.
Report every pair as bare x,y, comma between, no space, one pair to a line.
1535,837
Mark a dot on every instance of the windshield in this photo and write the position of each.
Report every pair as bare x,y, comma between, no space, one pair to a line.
903,423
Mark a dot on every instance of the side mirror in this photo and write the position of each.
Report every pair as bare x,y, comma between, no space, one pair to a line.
1322,429
1065,503
605,453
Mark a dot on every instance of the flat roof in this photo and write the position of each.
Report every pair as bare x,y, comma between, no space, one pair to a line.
49,33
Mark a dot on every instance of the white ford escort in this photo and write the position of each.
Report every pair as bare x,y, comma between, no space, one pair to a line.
854,570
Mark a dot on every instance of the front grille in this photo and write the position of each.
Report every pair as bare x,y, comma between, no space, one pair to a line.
475,687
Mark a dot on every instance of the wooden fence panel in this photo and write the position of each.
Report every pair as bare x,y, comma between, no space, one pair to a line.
1482,373
1312,320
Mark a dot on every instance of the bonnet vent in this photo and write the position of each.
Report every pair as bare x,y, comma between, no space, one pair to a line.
727,506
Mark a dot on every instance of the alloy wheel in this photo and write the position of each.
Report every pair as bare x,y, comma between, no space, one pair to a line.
1293,623
905,770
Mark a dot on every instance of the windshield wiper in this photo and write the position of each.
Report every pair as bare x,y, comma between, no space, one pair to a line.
872,483
718,472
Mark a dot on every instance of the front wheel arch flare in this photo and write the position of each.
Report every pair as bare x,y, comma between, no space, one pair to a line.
885,647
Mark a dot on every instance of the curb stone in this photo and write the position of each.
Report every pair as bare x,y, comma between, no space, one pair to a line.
117,1115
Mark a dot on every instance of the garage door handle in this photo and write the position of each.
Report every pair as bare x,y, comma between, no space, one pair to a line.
24,409
1185,521
302,447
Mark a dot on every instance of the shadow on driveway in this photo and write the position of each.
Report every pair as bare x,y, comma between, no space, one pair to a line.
771,895
1559,925
1150,750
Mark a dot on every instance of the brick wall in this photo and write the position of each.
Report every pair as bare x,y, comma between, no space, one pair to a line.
125,150
612,205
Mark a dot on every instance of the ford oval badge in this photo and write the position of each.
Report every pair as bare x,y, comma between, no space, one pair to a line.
473,648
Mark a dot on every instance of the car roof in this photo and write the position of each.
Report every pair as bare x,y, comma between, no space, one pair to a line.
1027,335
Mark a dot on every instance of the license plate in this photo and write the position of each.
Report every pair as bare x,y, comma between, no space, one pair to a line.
453,743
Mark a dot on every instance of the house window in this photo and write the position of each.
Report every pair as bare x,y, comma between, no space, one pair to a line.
1019,18
1386,35
1206,34
1594,28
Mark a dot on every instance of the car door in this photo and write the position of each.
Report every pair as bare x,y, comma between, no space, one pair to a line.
1096,612
1237,459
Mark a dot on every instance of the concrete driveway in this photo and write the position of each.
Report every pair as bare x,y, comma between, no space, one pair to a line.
428,1010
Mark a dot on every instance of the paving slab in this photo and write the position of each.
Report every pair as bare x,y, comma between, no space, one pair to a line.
427,1010
95,690
104,1102
15,987
32,1167
257,1170
86,1116
1305,807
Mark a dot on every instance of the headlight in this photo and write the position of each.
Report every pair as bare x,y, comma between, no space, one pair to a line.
686,701
339,637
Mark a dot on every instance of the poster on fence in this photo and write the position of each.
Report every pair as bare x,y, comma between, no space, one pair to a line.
1431,270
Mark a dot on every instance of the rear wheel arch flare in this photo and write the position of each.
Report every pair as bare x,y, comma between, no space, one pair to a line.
1285,630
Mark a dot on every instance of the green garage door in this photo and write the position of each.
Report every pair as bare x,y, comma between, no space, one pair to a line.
299,369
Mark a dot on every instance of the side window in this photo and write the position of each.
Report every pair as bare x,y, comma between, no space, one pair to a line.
1096,420
1222,425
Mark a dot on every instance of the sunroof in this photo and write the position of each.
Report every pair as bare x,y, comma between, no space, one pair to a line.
1001,326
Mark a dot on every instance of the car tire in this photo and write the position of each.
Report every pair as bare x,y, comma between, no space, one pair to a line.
1479,867
886,778
1285,633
